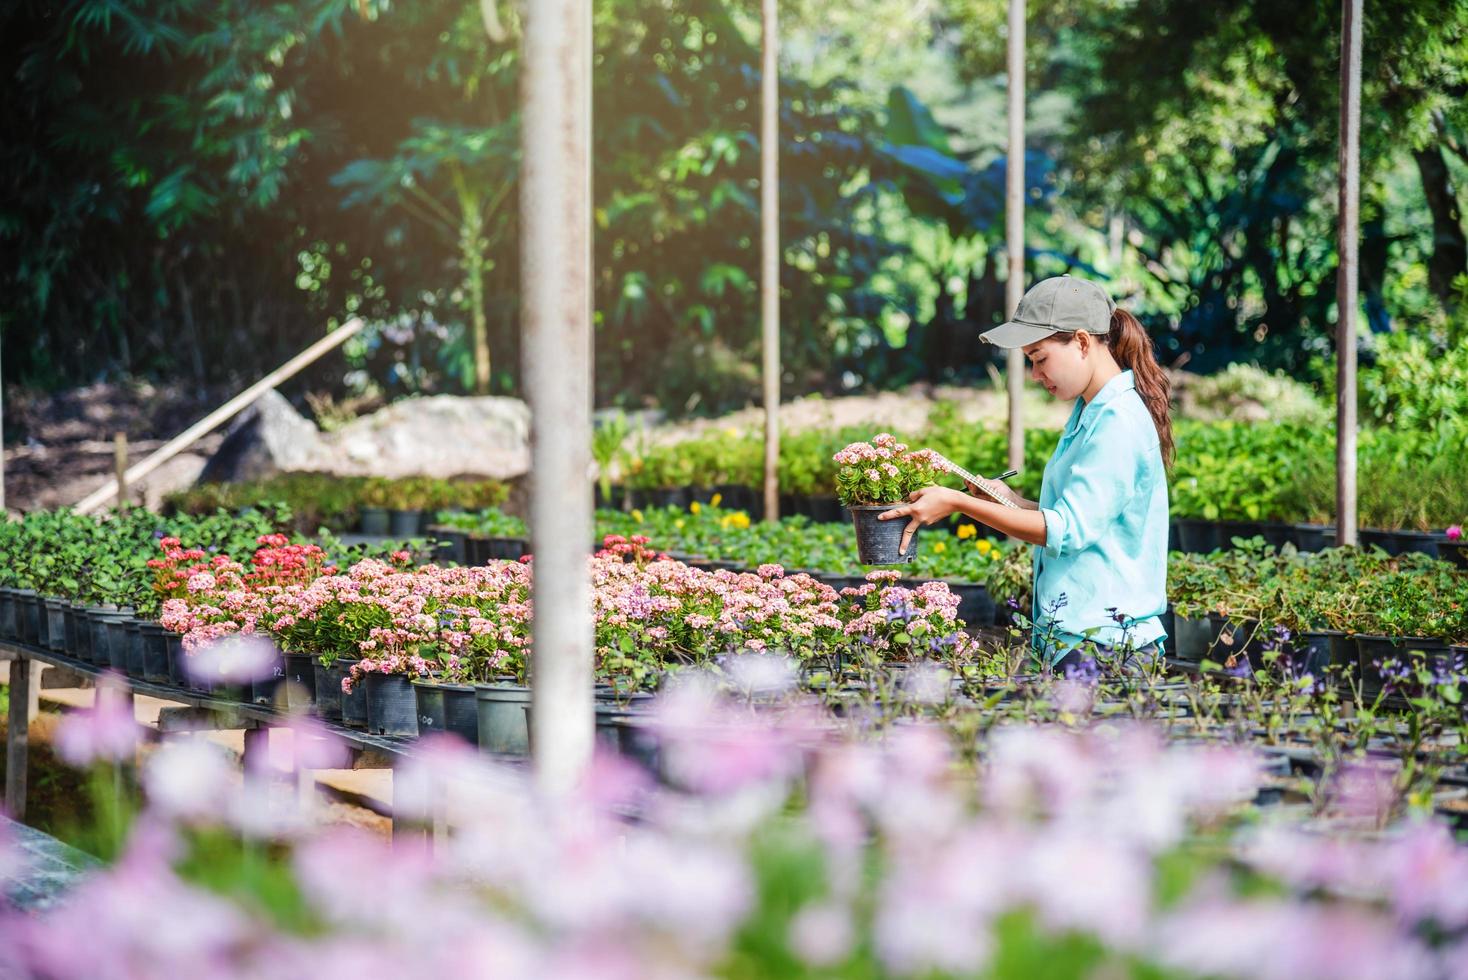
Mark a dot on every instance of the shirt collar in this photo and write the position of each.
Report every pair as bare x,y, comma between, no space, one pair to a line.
1085,413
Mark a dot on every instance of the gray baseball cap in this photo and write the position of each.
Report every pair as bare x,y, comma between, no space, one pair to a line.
1054,305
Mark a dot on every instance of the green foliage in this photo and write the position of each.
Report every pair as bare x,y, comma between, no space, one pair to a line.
307,502
1248,392
1419,384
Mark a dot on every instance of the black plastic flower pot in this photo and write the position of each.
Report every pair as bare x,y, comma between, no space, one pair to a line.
404,523
1276,534
392,707
1169,626
55,624
265,690
28,616
451,548
1312,537
375,521
97,626
155,653
1453,551
84,635
879,542
117,642
503,727
134,648
1228,530
71,645
300,681
1312,653
826,510
975,605
1232,638
448,708
177,671
354,702
9,630
1193,638
328,691
43,623
1197,536
507,549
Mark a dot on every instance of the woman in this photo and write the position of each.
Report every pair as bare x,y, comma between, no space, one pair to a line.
1100,525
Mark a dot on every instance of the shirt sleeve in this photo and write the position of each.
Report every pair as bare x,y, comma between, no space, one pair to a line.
1101,480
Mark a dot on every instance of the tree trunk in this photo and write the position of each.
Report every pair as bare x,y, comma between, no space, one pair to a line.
471,260
1449,246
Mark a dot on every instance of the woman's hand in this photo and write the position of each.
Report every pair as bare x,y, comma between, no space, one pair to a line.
926,506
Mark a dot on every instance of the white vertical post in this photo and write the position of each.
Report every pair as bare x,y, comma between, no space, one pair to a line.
1014,227
555,259
3,510
1347,243
769,185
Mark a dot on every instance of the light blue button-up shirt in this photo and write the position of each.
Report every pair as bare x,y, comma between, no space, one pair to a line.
1104,498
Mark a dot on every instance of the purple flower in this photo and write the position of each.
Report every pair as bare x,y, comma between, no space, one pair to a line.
106,732
237,658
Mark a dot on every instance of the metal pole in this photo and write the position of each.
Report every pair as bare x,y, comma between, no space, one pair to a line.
1347,244
769,184
221,414
555,261
1014,227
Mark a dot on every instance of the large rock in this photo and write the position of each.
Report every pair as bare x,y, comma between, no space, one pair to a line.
442,436
268,437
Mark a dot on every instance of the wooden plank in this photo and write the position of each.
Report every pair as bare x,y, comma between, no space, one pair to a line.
186,718
17,745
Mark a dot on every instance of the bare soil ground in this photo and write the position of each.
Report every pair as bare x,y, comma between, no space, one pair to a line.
64,448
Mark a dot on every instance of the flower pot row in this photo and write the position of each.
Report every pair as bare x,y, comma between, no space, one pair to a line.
493,716
389,522
1199,536
1220,638
465,548
976,607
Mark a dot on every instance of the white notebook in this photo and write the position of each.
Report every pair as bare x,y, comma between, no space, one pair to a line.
988,487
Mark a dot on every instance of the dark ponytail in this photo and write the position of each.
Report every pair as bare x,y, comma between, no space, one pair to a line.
1132,348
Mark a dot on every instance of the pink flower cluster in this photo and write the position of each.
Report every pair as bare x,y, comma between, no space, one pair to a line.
882,471
904,870
475,623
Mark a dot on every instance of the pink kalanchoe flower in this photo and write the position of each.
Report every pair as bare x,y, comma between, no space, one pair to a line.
1455,533
106,732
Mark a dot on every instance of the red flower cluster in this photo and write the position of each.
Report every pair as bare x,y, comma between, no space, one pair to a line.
278,562
171,572
633,549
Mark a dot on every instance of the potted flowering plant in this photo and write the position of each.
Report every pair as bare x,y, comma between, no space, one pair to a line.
1455,546
872,477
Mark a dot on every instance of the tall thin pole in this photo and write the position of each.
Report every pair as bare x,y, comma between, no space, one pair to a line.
1347,244
555,284
769,288
3,511
1014,227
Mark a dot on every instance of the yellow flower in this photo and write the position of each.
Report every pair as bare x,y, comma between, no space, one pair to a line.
678,523
939,547
738,519
637,516
966,531
984,545
716,500
695,507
